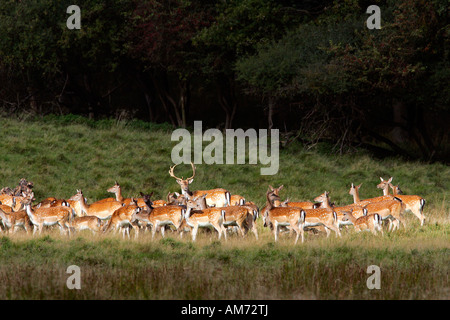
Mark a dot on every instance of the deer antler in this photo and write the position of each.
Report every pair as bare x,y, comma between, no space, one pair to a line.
171,173
193,172
174,176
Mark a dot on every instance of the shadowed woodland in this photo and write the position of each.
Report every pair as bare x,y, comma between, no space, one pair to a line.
309,68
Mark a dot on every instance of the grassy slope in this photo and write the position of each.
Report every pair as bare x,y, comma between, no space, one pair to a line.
61,155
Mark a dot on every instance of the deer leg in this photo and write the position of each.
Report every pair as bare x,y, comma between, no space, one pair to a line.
194,232
275,230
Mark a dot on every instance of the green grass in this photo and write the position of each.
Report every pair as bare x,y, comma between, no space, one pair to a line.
63,154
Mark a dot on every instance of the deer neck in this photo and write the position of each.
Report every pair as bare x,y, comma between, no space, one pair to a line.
119,196
188,213
269,204
30,211
83,205
326,203
386,190
356,198
394,190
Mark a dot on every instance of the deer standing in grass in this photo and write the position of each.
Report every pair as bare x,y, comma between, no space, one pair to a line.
239,216
86,223
13,220
159,217
412,203
237,200
209,217
387,206
294,204
371,222
276,217
101,210
357,209
326,217
41,217
122,218
218,197
354,191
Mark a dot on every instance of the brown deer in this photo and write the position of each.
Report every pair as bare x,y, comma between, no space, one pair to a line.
86,223
218,197
13,220
101,210
412,203
276,217
41,217
209,217
122,218
371,222
357,209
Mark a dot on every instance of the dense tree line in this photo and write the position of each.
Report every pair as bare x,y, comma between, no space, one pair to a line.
310,68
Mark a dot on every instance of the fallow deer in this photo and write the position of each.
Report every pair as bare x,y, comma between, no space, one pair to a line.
218,197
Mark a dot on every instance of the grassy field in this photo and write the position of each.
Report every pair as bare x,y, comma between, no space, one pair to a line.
63,154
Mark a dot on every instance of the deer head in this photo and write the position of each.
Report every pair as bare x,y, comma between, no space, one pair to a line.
184,183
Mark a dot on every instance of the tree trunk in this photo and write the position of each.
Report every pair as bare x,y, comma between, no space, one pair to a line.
33,103
89,94
270,113
400,116
227,100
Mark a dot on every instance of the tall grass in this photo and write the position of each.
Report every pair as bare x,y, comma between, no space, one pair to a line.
63,154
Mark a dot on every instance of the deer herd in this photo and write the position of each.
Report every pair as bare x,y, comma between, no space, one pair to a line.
215,209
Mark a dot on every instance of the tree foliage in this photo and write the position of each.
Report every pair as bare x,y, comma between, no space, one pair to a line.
310,67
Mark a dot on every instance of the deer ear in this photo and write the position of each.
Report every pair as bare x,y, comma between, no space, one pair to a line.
353,185
191,180
271,188
359,186
381,179
389,181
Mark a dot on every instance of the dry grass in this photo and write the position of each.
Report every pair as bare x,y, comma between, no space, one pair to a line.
414,264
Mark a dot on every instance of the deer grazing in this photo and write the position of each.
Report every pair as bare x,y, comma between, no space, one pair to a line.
218,197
